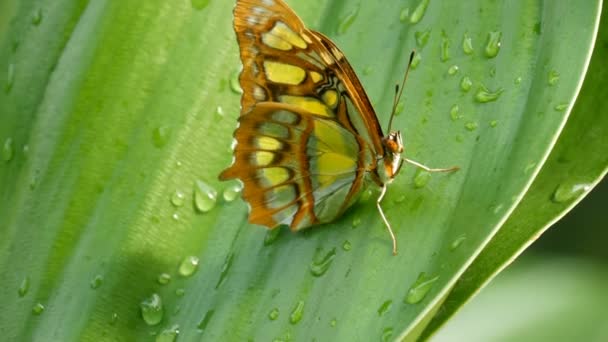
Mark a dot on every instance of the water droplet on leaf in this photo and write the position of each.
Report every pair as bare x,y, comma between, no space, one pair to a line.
348,20
467,44
493,44
7,150
484,95
466,84
273,314
419,11
96,281
422,37
385,307
320,265
420,288
169,334
188,266
205,196
38,309
297,313
152,309
421,178
164,278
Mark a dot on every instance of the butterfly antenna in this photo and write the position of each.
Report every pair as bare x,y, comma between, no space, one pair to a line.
399,91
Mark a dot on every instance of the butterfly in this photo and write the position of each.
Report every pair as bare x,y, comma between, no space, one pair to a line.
308,140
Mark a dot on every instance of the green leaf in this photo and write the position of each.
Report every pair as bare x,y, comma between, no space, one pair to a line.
120,116
577,163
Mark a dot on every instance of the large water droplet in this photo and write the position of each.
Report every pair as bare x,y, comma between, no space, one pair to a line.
467,44
553,77
10,78
24,287
199,4
235,86
347,246
96,281
273,314
37,17
387,333
421,178
232,192
178,198
8,150
188,266
271,236
38,309
453,70
297,313
471,126
455,112
320,265
152,309
169,334
457,242
493,44
419,11
348,20
484,95
422,37
567,191
225,268
163,278
205,196
404,14
385,307
466,84
420,288
416,60
202,325
445,47
160,136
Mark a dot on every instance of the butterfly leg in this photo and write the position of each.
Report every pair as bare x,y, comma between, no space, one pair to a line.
428,169
388,225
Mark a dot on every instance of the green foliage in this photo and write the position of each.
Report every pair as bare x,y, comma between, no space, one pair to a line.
117,119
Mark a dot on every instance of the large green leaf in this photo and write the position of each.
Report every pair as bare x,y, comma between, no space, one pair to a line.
113,111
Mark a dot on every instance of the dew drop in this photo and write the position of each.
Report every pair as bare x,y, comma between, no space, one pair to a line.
471,126
445,47
492,71
180,292
422,37
163,278
484,95
319,266
205,196
37,17
10,78
466,84
175,217
271,236
420,288
202,325
273,314
568,191
561,107
419,11
188,266
219,111
553,77
455,112
517,80
348,20
232,192
169,334
467,44
385,307
333,322
493,44
199,4
457,242
235,86
38,309
96,282
421,178
368,70
356,222
399,108
347,246
178,198
387,333
160,136
453,70
416,60
225,268
24,287
297,313
152,309
493,123
404,15
8,150
113,318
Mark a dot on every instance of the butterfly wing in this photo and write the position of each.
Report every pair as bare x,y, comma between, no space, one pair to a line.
307,132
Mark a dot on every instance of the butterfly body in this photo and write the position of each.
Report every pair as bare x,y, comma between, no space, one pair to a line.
308,139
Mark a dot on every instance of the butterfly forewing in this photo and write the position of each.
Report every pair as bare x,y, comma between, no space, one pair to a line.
307,133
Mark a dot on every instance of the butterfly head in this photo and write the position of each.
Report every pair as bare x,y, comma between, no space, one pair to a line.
393,147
